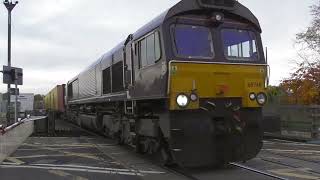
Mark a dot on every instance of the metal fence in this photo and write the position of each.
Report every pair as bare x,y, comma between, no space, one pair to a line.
296,120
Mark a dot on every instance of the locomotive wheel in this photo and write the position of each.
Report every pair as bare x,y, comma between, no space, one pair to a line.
139,147
120,138
106,131
165,158
164,155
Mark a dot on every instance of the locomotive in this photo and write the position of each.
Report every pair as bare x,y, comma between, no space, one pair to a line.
189,85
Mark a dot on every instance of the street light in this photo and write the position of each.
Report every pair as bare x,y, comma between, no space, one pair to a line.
10,6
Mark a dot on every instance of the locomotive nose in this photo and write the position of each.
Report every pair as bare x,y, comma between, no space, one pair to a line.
202,82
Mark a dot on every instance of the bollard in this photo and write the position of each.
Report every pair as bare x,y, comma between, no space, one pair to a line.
2,129
315,118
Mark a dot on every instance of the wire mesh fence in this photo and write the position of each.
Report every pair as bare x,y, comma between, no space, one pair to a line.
301,121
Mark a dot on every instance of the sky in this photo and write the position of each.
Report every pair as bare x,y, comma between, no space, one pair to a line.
54,40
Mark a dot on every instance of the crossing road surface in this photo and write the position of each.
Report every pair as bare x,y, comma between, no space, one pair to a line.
85,156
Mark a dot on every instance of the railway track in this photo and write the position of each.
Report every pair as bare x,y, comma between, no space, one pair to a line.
291,156
257,171
185,173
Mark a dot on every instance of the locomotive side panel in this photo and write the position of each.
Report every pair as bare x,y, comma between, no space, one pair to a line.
87,84
98,72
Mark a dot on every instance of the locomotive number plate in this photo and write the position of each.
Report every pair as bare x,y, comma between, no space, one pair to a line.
254,85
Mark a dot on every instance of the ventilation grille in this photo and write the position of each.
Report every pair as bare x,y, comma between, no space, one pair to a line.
217,3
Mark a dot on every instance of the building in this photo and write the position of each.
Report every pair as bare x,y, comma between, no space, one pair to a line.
26,101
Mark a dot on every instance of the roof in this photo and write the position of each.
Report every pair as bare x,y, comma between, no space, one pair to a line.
182,7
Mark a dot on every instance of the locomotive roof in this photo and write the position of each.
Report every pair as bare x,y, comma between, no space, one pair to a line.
194,5
182,7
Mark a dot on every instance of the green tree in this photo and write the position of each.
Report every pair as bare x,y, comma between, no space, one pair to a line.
274,92
38,97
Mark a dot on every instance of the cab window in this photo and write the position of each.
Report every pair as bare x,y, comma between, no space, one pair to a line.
149,50
239,45
193,41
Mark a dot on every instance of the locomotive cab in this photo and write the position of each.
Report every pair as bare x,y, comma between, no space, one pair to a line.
217,76
216,62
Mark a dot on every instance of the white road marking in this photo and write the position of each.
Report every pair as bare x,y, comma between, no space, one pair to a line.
61,148
9,163
15,160
291,143
65,174
59,145
59,173
297,151
118,153
73,169
299,173
67,166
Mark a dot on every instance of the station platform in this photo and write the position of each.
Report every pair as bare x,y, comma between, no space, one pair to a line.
83,155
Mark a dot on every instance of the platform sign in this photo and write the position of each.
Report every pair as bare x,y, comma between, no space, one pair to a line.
5,96
14,91
12,75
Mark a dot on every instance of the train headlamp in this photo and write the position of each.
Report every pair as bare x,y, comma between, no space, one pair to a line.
252,96
182,100
194,97
219,17
261,98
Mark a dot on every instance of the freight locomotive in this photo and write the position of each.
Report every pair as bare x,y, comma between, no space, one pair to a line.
189,85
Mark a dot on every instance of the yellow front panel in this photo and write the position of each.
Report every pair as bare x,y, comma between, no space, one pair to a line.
216,81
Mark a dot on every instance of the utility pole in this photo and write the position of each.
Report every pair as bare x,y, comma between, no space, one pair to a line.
16,97
10,6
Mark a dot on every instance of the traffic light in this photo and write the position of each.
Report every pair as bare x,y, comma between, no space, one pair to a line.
12,75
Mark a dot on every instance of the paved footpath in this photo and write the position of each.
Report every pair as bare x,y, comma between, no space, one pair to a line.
81,157
67,158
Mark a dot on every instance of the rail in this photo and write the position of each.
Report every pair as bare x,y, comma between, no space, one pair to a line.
257,171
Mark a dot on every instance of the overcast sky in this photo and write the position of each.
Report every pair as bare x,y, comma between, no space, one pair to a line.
53,40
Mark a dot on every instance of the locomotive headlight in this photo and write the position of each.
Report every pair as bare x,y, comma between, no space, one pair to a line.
252,96
182,100
194,97
261,98
219,17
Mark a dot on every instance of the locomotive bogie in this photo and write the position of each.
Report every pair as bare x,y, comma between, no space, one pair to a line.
111,125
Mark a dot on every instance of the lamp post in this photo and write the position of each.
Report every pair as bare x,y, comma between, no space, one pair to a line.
10,6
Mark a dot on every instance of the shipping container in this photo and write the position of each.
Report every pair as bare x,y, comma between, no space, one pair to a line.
54,100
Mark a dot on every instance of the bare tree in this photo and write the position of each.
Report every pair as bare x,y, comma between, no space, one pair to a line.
310,38
304,84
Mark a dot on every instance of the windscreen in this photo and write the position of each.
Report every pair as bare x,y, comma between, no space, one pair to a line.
193,41
239,45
